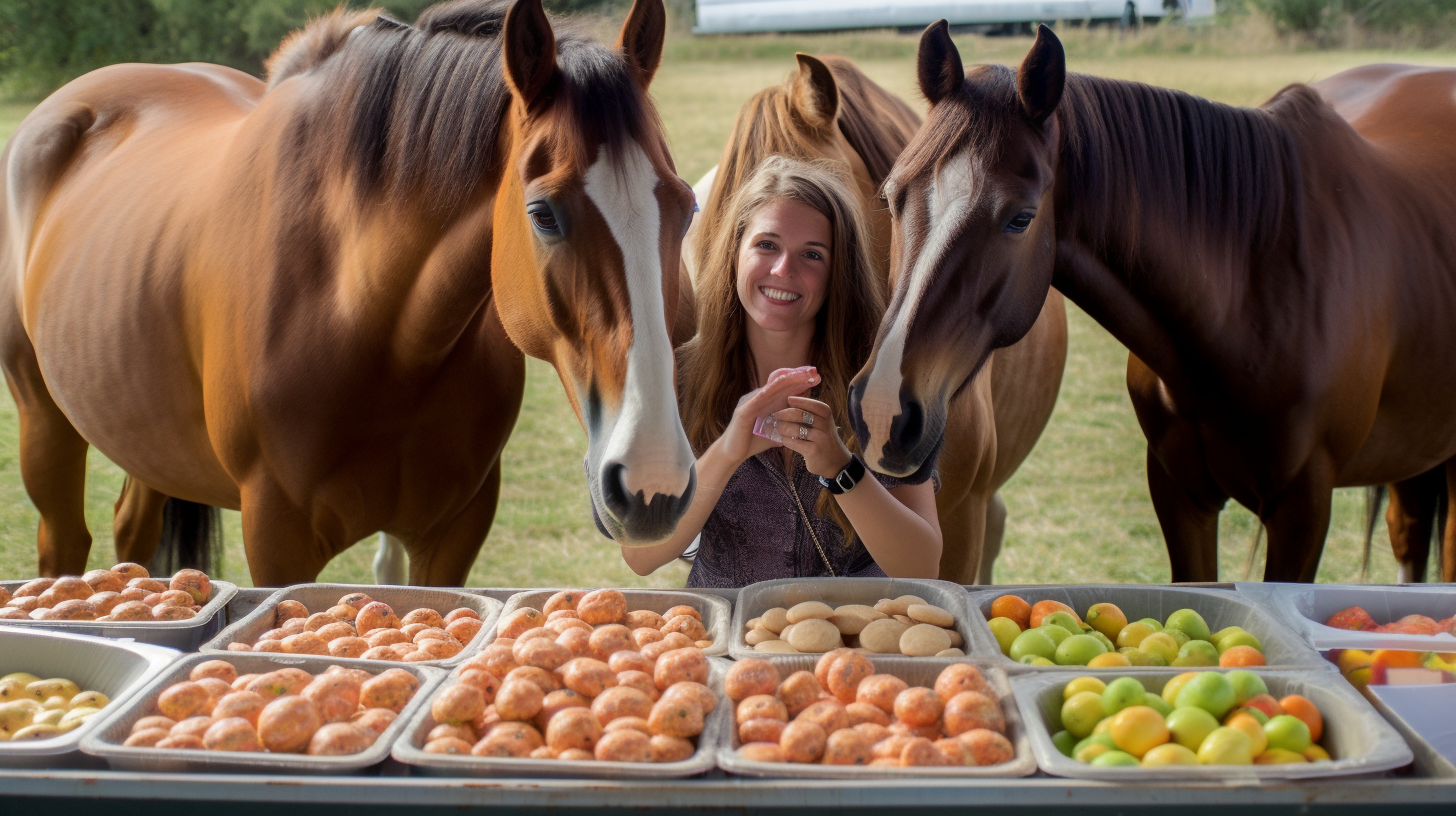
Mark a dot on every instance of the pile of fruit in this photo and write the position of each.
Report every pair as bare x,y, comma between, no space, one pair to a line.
1385,666
126,592
1201,718
1356,619
359,626
285,711
1050,633
580,686
906,625
842,713
36,709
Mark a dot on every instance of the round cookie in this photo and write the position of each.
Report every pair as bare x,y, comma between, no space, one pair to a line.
924,640
814,635
882,636
809,610
925,613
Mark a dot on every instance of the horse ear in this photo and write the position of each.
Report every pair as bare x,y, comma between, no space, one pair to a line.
938,64
530,49
816,95
1042,77
642,36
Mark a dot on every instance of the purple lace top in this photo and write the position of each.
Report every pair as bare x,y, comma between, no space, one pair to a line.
755,533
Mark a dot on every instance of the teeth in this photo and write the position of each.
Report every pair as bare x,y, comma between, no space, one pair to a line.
779,294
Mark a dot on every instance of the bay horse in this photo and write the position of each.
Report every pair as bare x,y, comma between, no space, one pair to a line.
1279,274
308,299
828,109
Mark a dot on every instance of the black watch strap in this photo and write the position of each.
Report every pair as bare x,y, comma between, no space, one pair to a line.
843,482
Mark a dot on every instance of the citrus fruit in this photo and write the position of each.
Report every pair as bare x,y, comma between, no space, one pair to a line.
1084,683
1189,622
1032,642
1036,660
1196,653
1240,638
1066,620
1314,753
1115,759
1108,660
1209,691
1078,650
1190,726
1005,630
1302,708
1055,632
1087,749
1174,685
1121,693
1138,729
1161,644
1103,639
1153,623
1246,723
1106,618
1133,634
1169,753
1241,656
1041,609
1065,742
1247,686
1013,607
1157,704
1138,657
1252,712
1226,746
1289,733
1264,703
1081,712
1278,756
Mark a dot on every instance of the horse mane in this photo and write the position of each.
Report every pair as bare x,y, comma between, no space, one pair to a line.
420,109
1221,176
875,122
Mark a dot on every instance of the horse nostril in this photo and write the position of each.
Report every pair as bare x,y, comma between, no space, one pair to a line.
908,426
614,489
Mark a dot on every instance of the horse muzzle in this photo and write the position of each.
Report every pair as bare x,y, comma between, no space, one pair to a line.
901,439
640,519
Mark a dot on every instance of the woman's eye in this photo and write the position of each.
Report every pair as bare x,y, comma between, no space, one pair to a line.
813,256
765,245
1020,222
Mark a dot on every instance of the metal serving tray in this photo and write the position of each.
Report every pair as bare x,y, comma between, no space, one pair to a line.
185,635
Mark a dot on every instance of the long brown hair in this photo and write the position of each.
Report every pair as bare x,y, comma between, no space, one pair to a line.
716,367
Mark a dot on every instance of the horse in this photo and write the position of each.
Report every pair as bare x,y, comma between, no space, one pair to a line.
1278,274
308,299
828,109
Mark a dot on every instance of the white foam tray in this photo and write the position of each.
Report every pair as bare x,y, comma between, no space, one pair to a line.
186,635
716,611
1307,606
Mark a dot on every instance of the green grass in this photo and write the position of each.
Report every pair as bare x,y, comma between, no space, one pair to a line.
1079,510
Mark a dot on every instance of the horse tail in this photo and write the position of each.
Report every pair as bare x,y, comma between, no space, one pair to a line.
1374,497
191,538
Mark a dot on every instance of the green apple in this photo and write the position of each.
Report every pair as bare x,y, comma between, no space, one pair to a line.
1210,691
1035,660
1197,653
1190,623
1288,732
1161,644
1107,644
1190,726
1238,639
1158,704
1225,632
1138,657
1066,620
1122,693
1078,650
1153,623
1055,632
1081,712
1255,713
1115,759
1103,739
1032,643
1005,630
1065,742
1175,685
1133,634
1179,636
1247,685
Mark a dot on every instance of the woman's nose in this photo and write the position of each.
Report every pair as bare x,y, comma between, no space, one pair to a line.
780,266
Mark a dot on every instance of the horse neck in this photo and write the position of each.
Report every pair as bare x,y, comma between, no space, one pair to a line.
1165,203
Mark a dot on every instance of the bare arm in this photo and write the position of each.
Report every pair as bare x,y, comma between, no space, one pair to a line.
717,465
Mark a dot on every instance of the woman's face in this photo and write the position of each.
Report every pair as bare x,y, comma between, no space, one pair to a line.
783,265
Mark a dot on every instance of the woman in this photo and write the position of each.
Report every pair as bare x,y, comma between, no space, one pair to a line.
787,309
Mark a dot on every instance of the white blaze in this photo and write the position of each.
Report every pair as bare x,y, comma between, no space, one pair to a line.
947,205
701,191
647,436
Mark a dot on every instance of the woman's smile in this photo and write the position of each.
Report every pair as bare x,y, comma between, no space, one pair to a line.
780,295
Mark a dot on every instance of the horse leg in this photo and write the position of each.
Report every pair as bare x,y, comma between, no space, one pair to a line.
962,530
1189,520
443,556
1298,520
52,458
391,564
1411,518
282,542
991,544
137,525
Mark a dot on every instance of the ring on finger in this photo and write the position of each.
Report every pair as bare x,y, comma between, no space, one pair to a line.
803,431
808,418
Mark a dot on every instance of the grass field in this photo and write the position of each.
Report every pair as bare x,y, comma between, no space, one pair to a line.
1079,510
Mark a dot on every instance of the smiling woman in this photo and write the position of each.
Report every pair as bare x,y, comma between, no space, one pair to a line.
783,302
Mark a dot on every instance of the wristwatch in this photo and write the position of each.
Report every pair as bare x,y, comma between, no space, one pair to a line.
846,479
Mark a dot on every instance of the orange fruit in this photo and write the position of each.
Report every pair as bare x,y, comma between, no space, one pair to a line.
1302,708
1138,729
1395,658
1041,609
1246,723
1239,656
1107,619
1013,607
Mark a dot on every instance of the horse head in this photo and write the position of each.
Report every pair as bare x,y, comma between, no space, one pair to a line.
972,243
587,230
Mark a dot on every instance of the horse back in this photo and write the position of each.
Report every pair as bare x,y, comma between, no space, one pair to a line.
1408,109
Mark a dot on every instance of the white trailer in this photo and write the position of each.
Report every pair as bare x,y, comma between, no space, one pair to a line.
754,16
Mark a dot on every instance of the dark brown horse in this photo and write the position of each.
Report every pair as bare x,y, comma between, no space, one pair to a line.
1281,276
307,300
829,109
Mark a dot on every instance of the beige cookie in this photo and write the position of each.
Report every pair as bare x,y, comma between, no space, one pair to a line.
787,630
756,623
814,635
757,636
950,653
925,613
955,638
851,619
775,619
924,640
882,636
775,647
809,610
905,619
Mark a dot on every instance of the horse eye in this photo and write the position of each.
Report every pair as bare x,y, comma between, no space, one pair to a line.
1020,222
543,218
